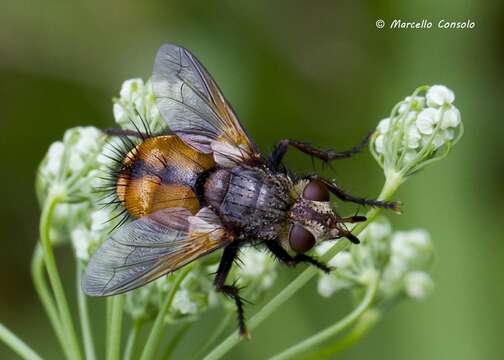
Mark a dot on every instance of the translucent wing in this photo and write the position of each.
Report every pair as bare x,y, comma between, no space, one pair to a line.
150,247
195,109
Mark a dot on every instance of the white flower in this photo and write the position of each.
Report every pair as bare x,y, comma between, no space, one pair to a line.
81,240
119,113
182,302
413,137
409,156
342,260
383,125
54,158
451,118
413,247
100,219
427,120
417,122
379,143
418,284
131,88
256,267
327,285
137,100
439,95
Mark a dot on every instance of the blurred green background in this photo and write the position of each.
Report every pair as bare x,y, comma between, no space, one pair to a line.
313,70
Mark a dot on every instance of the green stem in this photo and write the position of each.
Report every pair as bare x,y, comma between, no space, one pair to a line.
17,345
392,182
66,318
132,338
175,340
114,336
84,317
46,299
365,323
157,329
336,328
223,324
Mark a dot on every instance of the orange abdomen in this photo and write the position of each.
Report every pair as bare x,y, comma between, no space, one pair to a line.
161,172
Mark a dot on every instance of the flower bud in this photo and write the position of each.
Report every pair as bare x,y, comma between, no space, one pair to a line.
421,129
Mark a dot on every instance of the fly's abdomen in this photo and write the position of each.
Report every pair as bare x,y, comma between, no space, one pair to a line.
249,198
161,172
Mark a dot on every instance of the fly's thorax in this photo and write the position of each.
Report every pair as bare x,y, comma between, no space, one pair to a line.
250,199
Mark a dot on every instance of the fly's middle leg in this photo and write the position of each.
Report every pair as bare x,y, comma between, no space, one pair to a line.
228,257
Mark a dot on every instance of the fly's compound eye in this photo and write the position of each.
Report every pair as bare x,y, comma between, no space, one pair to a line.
300,239
316,191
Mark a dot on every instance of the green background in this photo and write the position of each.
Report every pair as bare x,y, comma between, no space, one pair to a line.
319,71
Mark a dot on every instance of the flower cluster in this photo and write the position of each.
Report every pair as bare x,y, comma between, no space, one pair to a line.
137,100
402,257
69,170
422,128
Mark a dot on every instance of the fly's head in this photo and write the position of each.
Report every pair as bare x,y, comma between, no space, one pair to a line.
312,218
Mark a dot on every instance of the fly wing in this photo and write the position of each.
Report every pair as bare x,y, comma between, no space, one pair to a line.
195,109
150,247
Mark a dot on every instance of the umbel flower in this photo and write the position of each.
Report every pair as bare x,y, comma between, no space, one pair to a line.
404,259
421,129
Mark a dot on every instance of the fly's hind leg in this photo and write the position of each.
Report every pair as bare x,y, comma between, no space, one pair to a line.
228,257
325,155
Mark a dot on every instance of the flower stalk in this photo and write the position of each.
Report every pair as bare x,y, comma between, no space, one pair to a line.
333,330
54,198
18,345
157,329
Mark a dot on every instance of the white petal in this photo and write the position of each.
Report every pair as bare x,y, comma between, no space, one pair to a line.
418,284
438,95
118,112
426,120
413,137
131,87
410,156
379,144
383,125
451,118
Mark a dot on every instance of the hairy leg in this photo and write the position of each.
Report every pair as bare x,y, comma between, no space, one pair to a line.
277,250
345,196
281,148
228,257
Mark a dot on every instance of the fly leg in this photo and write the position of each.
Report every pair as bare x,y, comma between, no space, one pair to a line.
277,250
281,148
345,196
228,257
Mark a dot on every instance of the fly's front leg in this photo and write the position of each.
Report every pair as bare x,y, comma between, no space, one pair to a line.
228,257
325,155
277,250
345,196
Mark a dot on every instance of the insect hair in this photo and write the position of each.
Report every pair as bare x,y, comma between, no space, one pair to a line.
122,155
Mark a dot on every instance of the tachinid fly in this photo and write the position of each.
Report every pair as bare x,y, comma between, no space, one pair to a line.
203,185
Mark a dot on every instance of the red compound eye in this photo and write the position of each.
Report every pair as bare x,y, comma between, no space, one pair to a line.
300,239
316,191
